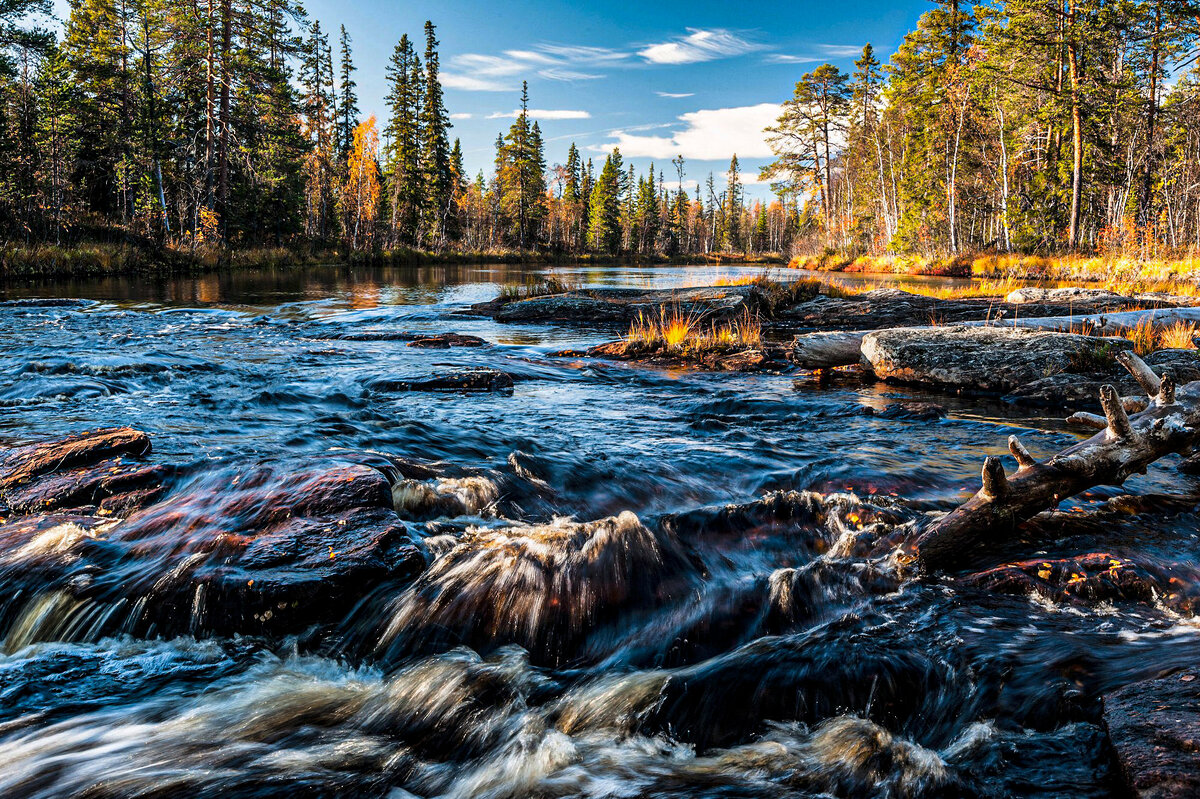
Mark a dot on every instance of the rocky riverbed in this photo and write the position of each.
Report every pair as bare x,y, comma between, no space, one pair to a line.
252,542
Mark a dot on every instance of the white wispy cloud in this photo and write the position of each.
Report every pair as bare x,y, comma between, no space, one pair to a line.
706,135
541,113
461,116
499,73
676,96
700,44
781,58
841,50
472,83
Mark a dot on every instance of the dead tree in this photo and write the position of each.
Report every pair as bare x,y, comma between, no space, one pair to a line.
1126,446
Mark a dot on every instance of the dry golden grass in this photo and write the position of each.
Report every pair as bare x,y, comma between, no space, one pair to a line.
686,333
1179,336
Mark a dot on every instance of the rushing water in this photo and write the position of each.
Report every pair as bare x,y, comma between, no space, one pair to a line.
696,685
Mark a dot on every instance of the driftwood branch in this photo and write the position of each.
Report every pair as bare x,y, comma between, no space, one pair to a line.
1125,446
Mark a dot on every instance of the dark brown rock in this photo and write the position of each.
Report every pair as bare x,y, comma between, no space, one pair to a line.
20,465
1154,727
113,484
444,341
467,380
1092,578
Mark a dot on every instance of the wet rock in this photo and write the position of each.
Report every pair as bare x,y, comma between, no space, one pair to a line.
909,411
983,359
21,465
266,548
445,341
1093,578
805,678
114,485
479,379
543,587
751,359
1154,727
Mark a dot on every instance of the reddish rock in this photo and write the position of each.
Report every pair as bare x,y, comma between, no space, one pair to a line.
1096,577
113,484
20,465
1154,727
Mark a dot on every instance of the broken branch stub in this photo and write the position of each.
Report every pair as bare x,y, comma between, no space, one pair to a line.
1125,446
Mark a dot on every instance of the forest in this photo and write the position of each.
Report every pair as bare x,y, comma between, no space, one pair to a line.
1015,127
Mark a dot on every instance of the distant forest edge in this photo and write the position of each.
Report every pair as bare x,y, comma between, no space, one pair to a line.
155,134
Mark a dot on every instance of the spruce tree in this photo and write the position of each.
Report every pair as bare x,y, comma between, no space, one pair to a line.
402,157
347,112
604,210
435,147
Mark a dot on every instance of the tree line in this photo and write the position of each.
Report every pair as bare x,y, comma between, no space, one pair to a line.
231,122
1014,126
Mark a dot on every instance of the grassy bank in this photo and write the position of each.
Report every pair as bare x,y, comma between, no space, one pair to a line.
45,261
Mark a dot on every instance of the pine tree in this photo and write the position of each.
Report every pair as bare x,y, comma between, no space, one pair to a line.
523,176
347,111
404,141
604,209
435,147
731,212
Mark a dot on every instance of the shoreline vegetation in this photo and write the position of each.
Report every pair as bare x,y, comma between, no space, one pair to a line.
50,262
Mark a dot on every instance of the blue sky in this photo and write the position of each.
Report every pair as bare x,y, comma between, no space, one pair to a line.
658,78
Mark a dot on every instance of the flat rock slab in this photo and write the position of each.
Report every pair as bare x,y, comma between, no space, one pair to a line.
462,380
609,306
1073,295
984,359
749,359
22,464
888,307
426,340
1155,730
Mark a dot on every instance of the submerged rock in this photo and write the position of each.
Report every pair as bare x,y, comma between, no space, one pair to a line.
985,359
1093,578
1154,727
543,587
479,379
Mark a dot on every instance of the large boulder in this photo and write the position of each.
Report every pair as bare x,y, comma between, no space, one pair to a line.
269,547
985,359
1155,731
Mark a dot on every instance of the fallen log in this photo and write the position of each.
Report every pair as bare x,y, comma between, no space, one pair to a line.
827,350
1126,446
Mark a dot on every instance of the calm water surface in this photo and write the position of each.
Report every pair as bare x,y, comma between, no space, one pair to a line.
989,695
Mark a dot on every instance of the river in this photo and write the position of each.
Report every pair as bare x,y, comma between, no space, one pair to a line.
917,688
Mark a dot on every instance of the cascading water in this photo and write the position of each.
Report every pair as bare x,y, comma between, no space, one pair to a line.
314,586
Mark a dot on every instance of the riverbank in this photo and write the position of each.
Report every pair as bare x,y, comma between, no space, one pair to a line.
103,259
1116,272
